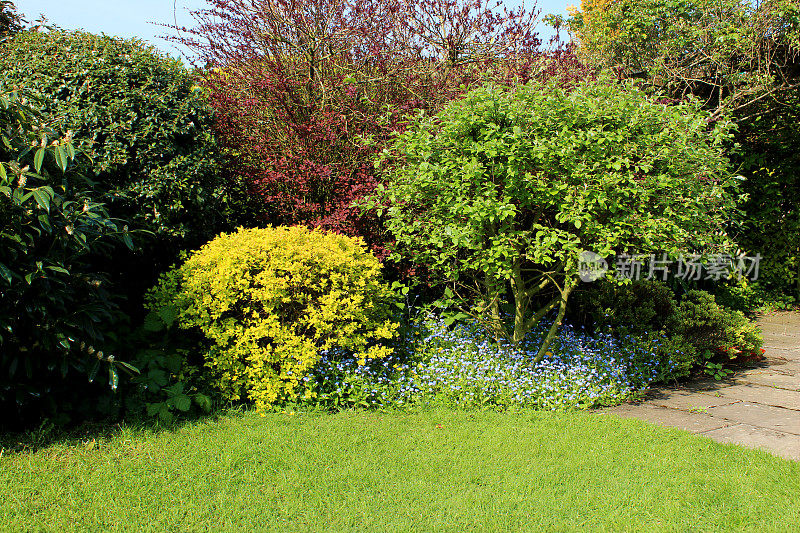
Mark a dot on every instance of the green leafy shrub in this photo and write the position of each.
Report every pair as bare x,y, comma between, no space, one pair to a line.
147,129
500,193
56,312
712,330
138,115
642,308
638,307
268,302
151,164
752,297
698,330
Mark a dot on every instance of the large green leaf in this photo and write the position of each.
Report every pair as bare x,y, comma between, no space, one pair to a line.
43,196
182,402
93,370
38,159
5,273
61,158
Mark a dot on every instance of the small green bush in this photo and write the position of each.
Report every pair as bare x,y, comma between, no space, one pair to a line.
269,302
697,329
637,308
711,329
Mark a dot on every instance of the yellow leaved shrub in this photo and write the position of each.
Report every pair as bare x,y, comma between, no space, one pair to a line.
269,301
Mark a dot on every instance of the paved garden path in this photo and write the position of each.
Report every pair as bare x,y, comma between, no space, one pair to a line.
759,408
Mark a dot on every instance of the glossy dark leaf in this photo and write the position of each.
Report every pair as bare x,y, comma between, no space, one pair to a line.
95,366
113,378
61,158
43,196
38,159
132,370
5,273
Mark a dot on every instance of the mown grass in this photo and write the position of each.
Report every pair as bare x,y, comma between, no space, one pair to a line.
426,471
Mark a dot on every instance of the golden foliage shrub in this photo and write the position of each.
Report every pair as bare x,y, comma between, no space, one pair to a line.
268,301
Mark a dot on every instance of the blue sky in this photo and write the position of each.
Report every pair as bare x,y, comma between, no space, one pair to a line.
133,18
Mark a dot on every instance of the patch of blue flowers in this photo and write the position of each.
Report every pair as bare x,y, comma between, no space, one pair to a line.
461,367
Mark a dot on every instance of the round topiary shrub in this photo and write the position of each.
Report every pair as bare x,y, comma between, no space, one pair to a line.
269,301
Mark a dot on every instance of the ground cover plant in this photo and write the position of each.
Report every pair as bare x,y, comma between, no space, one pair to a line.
284,316
437,470
460,366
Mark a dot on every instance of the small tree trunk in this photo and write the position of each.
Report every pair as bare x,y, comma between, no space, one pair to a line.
551,333
521,302
497,321
493,304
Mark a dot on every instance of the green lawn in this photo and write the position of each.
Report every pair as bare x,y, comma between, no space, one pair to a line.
377,472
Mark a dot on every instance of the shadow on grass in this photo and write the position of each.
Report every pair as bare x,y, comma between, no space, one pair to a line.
49,433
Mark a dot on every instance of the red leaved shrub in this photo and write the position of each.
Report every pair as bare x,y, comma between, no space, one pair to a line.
307,91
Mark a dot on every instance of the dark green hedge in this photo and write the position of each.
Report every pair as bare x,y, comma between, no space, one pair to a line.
144,183
139,116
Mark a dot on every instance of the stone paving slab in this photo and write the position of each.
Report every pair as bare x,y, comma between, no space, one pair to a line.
664,416
774,328
782,330
763,395
759,370
787,446
788,368
755,414
778,354
687,400
704,385
780,342
758,408
768,378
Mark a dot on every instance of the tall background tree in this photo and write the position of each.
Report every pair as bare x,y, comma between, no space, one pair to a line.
742,60
10,20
